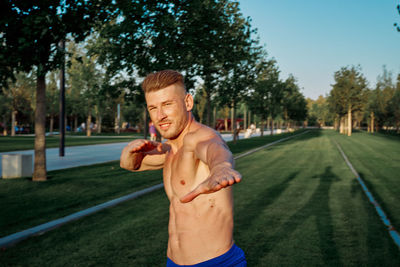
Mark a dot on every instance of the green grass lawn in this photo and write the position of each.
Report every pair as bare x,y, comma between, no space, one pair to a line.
376,157
298,204
8,143
25,204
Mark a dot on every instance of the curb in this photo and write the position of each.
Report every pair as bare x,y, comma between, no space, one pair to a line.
382,215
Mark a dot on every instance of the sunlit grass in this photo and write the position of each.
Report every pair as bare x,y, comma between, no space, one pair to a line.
298,204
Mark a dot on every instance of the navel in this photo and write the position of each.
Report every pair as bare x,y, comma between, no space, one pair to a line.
183,182
212,202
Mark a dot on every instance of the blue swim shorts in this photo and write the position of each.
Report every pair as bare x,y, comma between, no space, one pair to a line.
234,257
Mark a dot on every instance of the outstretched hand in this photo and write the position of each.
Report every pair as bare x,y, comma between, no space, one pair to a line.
142,145
133,153
219,178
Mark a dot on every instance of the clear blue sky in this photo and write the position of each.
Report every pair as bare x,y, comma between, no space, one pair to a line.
312,39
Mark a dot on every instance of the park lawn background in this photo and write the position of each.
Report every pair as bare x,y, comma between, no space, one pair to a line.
376,157
298,204
15,143
24,204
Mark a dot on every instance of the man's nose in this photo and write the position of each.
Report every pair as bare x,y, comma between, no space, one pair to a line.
161,115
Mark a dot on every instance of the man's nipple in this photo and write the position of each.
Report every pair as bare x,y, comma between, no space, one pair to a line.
183,182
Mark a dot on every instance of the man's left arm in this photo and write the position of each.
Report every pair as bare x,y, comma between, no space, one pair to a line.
215,153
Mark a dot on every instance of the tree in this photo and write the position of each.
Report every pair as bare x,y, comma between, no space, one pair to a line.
199,103
293,101
30,34
396,25
238,80
379,101
265,98
394,105
19,95
319,110
52,99
348,94
199,38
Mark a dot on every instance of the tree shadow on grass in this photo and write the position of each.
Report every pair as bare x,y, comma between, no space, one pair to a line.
316,207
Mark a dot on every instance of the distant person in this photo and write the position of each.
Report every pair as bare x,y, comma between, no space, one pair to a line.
198,172
153,132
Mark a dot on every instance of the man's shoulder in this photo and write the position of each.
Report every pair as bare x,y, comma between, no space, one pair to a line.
200,133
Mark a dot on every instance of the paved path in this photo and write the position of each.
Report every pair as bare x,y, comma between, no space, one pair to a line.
91,154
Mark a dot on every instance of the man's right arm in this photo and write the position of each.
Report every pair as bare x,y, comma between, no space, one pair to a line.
141,155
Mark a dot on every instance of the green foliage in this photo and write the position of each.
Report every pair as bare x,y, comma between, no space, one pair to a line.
267,95
396,25
382,100
349,91
206,39
52,94
294,103
318,110
31,32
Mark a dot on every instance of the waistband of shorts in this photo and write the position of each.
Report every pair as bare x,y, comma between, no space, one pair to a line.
232,256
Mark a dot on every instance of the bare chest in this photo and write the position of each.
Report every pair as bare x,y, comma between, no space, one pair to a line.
181,173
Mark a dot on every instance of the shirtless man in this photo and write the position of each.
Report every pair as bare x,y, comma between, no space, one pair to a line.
197,173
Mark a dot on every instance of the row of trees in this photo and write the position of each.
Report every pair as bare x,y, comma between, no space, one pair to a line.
351,103
210,42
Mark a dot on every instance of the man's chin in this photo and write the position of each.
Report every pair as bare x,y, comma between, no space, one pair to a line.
169,135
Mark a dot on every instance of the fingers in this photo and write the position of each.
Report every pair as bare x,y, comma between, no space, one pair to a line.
213,184
142,146
201,189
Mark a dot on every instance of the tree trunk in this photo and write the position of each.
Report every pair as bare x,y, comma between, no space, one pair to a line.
335,124
13,122
4,125
75,123
99,118
372,122
272,126
262,127
249,121
245,118
233,126
88,123
40,173
349,122
235,130
51,124
214,117
146,123
341,128
226,124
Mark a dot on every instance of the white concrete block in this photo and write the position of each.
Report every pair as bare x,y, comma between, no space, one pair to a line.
16,165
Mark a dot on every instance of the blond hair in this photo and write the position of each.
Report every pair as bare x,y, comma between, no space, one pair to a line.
161,79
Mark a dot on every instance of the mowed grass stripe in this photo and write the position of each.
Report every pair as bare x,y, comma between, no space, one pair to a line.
377,159
310,210
288,210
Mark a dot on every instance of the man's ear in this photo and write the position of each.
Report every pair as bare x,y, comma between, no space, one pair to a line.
189,102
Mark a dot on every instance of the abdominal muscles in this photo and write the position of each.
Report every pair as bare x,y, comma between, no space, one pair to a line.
201,229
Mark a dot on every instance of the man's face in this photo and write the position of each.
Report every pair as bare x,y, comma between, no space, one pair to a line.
169,110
